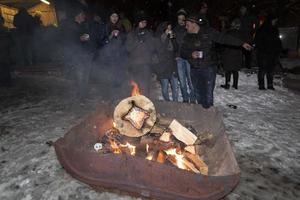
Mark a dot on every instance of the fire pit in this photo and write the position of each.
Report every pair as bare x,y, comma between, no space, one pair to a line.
161,177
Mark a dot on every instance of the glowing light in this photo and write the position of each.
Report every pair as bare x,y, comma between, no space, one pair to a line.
178,157
130,147
45,2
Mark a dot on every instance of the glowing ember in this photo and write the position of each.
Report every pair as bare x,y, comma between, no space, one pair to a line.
135,90
115,147
130,147
178,157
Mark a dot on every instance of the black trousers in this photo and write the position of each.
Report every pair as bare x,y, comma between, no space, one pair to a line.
266,64
235,75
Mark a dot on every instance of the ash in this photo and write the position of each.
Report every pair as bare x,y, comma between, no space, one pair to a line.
263,130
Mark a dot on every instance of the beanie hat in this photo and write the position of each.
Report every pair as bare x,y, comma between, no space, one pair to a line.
196,18
181,12
141,16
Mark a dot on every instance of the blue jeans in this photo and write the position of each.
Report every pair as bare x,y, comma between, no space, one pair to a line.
204,81
184,74
165,88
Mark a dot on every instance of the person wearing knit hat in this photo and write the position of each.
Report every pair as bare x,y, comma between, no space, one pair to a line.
196,18
141,46
197,49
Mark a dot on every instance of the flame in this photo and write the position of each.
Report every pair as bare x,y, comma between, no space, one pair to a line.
115,147
150,156
178,157
135,90
114,124
147,148
130,147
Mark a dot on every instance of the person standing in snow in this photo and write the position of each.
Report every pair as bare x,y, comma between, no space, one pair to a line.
141,46
232,57
268,46
197,47
183,66
166,69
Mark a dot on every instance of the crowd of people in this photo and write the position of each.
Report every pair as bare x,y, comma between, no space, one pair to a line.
181,54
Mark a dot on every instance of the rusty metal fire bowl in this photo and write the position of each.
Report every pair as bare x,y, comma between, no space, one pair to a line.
140,177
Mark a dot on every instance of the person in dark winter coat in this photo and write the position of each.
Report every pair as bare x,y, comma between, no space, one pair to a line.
183,66
268,46
141,46
166,69
248,26
197,48
232,56
5,45
113,56
25,25
114,25
82,42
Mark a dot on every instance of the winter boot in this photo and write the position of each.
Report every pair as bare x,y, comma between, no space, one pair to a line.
225,86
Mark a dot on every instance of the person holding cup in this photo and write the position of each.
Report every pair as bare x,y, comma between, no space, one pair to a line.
197,48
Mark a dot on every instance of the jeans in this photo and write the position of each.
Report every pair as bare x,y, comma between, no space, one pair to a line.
165,88
266,67
184,75
204,81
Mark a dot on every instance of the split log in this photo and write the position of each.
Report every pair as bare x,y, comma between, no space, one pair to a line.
191,149
165,137
187,165
199,163
182,133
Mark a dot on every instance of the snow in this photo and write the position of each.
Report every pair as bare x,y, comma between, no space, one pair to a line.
264,132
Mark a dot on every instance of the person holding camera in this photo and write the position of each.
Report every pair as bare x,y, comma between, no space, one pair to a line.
141,46
197,48
166,69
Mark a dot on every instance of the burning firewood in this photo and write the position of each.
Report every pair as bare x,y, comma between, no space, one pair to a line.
161,157
181,162
199,163
182,133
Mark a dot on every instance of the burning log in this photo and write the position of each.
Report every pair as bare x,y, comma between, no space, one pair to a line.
135,116
161,157
182,133
199,163
181,162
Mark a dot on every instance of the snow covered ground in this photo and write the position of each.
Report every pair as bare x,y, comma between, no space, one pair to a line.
264,131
